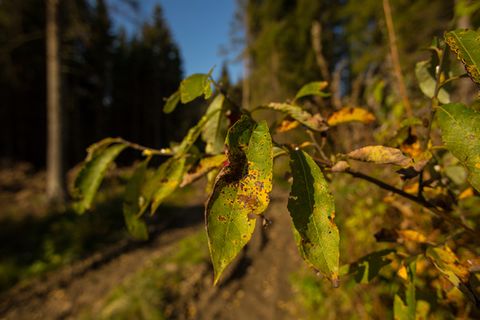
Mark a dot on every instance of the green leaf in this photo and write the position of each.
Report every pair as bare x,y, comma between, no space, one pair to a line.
99,146
194,86
241,191
313,89
411,290
460,127
314,122
132,202
194,133
91,175
466,45
172,102
400,310
215,129
408,311
313,210
166,180
425,72
368,267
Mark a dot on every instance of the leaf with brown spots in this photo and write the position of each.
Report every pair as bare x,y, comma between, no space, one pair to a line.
350,114
313,211
460,127
466,45
381,155
240,193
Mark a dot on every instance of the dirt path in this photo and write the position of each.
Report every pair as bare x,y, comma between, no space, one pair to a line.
255,287
258,286
64,293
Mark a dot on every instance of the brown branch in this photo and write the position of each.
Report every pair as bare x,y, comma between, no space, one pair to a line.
418,200
395,57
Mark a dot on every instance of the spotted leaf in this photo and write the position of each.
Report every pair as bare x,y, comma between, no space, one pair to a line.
466,45
240,193
460,127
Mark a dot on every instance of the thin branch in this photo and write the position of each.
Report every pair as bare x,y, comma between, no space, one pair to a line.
146,150
434,100
317,146
433,108
395,57
227,97
429,206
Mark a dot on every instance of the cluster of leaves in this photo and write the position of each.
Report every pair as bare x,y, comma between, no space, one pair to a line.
238,161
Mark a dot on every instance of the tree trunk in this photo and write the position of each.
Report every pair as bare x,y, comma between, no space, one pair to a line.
465,88
55,186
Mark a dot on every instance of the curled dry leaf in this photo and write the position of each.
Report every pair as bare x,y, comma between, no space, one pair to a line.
350,114
314,122
340,166
381,155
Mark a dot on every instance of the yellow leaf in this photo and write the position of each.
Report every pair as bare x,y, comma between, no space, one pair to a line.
381,155
411,188
350,114
402,273
467,193
412,235
287,125
448,264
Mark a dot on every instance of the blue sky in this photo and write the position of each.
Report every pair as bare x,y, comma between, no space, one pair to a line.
200,28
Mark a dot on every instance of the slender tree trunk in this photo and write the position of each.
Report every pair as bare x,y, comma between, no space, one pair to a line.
465,90
55,186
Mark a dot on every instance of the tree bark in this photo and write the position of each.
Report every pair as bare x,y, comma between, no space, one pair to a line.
465,88
54,180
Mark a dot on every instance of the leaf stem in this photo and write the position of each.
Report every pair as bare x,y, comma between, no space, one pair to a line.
146,150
